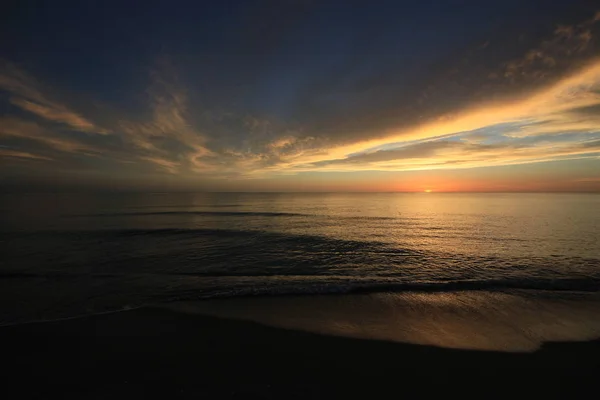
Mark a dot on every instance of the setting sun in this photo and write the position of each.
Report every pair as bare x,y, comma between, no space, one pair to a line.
427,190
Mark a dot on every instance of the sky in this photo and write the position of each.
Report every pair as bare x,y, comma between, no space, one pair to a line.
300,95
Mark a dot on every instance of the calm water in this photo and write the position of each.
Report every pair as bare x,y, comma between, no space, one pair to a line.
66,255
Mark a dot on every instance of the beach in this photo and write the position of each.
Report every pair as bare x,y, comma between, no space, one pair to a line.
162,352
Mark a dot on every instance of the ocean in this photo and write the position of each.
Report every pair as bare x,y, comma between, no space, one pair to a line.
66,255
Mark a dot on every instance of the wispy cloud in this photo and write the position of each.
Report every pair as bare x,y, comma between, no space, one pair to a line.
168,124
555,110
170,166
457,154
24,129
587,180
558,121
27,94
568,43
22,155
166,140
554,121
57,114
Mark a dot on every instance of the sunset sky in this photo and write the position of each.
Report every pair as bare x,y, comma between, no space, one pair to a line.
300,95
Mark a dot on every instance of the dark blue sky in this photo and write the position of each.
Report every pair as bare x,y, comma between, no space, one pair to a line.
228,88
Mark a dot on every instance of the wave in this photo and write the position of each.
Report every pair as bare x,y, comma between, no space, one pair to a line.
188,232
563,288
232,284
185,206
241,214
208,287
207,213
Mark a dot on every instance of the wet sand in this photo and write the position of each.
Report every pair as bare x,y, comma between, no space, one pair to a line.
162,353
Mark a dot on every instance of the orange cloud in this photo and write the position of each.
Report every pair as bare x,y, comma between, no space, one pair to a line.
16,127
55,114
169,166
28,96
22,155
168,104
547,111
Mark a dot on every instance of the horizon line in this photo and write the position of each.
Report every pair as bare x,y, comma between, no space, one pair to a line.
304,192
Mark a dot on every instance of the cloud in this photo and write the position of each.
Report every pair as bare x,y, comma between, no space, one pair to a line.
166,139
458,154
568,45
587,180
22,155
565,108
57,114
419,150
556,122
23,129
168,124
541,105
28,95
170,166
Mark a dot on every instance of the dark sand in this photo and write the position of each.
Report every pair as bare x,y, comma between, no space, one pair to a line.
158,353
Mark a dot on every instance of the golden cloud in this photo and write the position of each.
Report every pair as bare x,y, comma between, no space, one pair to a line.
547,111
22,155
28,96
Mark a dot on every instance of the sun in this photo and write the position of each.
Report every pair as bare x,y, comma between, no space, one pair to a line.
428,190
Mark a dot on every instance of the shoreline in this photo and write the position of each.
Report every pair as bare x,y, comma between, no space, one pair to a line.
149,347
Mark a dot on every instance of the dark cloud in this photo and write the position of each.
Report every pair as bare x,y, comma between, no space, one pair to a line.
594,144
593,110
397,99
